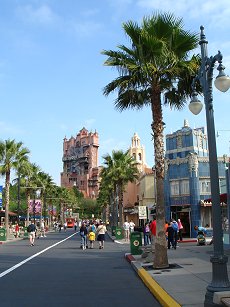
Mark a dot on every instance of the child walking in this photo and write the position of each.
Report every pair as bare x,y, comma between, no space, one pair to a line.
91,237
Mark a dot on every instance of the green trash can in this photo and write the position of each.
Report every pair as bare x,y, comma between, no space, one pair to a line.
135,242
113,230
2,234
118,233
25,232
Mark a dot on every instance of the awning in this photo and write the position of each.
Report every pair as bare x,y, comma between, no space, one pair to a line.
208,202
2,213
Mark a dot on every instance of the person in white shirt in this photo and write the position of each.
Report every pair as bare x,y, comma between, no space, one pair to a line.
42,229
131,226
101,230
126,227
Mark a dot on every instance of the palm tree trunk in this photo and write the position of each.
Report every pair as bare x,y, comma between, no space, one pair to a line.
41,200
161,257
121,215
28,207
7,195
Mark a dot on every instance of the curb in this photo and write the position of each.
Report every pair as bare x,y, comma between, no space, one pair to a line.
159,293
9,241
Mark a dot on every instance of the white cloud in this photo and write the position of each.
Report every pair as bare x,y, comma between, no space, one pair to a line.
85,28
40,15
192,9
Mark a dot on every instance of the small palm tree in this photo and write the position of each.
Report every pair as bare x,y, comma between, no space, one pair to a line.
156,65
29,181
45,182
122,169
12,154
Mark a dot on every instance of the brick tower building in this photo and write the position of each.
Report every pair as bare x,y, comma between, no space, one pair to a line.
80,163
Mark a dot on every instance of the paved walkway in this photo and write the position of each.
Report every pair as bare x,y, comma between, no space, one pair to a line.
184,283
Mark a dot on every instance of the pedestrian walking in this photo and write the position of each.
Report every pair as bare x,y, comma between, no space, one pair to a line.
65,226
101,230
42,229
91,237
126,230
92,227
75,226
31,229
59,226
146,234
131,226
17,230
180,229
83,234
175,234
153,232
170,233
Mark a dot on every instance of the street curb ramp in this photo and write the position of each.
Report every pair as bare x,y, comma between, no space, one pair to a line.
159,293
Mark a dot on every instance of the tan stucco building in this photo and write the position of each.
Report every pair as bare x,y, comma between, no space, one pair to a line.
141,192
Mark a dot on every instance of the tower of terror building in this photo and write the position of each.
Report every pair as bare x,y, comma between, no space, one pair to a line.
80,163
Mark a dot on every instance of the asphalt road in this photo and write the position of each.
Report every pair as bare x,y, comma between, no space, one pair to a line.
56,272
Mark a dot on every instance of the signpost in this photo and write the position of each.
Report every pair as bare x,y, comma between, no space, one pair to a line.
142,212
0,196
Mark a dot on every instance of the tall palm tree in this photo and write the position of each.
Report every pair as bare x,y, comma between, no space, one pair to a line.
155,66
12,154
122,169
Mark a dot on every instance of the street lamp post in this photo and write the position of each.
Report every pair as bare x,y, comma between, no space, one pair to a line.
220,281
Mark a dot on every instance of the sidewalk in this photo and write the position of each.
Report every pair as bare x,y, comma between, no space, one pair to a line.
184,283
11,239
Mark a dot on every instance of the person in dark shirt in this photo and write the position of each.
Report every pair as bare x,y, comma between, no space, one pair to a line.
83,234
170,232
31,233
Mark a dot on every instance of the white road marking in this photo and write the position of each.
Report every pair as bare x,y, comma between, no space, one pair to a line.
33,256
119,242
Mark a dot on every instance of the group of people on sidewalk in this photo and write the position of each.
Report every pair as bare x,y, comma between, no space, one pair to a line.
173,231
128,228
89,232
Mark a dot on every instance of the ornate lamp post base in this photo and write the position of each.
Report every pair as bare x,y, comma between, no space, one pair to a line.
220,280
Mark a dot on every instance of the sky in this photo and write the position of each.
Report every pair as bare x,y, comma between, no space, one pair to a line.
52,74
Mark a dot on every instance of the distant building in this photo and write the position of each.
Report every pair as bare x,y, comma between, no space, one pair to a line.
187,177
140,192
80,163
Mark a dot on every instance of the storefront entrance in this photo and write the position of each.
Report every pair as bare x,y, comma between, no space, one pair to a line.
182,213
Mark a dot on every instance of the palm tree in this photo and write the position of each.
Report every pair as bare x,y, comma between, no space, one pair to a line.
45,182
12,154
122,169
29,181
156,65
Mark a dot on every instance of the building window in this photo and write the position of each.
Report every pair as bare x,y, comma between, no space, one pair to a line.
205,186
185,187
174,188
179,141
139,156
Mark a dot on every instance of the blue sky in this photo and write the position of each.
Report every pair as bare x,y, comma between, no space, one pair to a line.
52,73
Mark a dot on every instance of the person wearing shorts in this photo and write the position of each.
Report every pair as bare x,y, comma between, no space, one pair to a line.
101,230
31,233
